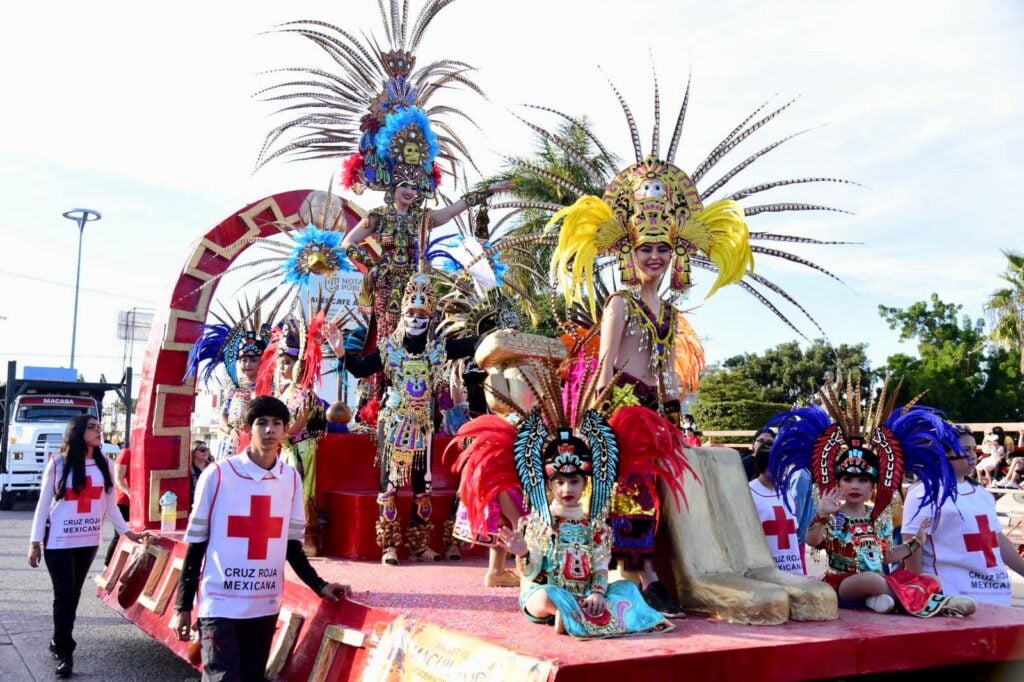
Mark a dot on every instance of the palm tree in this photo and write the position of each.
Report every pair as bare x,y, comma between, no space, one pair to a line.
1005,307
545,182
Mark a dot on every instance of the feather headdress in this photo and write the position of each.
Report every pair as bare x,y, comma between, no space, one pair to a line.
230,338
881,442
563,435
654,201
362,109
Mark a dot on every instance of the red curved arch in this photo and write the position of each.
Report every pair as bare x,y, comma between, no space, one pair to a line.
161,431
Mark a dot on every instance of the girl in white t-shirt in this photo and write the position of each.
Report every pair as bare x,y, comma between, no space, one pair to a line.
965,547
76,494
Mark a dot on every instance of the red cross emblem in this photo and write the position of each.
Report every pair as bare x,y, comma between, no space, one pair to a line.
781,527
985,541
86,497
259,526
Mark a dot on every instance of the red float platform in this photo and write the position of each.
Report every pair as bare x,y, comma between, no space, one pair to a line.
450,597
347,484
447,619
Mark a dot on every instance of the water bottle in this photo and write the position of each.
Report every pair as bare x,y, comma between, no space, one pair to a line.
168,512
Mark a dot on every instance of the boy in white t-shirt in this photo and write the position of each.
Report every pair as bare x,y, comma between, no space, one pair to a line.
248,519
779,524
966,547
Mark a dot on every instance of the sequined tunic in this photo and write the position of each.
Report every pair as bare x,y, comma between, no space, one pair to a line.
406,416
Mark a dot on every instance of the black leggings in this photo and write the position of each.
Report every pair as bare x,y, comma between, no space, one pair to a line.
68,569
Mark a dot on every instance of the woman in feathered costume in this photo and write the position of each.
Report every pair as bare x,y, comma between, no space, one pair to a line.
852,456
562,549
406,147
237,345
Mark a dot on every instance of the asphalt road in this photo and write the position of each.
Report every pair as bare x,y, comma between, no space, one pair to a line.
109,647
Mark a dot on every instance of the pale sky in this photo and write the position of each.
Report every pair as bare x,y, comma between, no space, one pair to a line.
144,113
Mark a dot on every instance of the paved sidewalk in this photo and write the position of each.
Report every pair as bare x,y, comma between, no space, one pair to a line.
109,648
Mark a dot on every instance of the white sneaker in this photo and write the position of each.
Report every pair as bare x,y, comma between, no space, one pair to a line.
1012,484
880,603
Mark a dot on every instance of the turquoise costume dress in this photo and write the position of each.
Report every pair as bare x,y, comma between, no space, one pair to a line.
566,559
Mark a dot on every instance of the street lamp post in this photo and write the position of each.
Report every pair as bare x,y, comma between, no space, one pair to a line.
80,216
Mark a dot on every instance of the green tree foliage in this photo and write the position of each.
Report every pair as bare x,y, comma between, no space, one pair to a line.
788,374
531,185
749,389
728,400
1005,307
962,374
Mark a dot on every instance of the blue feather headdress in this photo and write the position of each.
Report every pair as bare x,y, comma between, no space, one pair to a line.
208,351
315,252
836,440
407,130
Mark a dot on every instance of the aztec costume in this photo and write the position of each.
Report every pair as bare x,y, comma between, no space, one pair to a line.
780,528
882,444
414,364
569,549
380,114
303,343
962,548
247,521
653,201
225,343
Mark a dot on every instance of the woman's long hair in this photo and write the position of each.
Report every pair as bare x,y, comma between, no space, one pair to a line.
75,451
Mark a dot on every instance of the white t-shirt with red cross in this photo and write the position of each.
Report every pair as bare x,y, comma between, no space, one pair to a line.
248,514
76,520
779,526
963,547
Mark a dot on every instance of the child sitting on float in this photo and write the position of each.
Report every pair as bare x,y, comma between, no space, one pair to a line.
852,461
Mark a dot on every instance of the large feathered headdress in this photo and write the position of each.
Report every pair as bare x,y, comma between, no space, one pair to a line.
229,339
654,201
881,442
562,435
377,109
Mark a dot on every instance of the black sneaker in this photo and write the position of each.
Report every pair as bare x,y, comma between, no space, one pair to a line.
53,650
657,596
65,665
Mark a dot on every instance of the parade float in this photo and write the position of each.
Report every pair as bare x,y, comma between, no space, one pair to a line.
435,620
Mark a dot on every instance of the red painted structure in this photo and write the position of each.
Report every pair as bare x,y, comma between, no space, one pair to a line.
323,640
163,411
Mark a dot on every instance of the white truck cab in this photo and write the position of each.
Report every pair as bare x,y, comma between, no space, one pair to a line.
36,418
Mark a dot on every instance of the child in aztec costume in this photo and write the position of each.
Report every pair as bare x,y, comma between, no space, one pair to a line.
237,345
652,220
852,455
413,363
563,550
290,371
380,114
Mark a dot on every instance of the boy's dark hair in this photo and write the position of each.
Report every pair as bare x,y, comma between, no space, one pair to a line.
266,406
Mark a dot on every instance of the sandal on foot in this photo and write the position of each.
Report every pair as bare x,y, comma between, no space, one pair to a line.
425,555
880,603
959,606
390,556
452,552
501,579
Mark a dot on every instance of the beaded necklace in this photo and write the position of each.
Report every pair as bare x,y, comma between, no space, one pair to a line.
657,336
